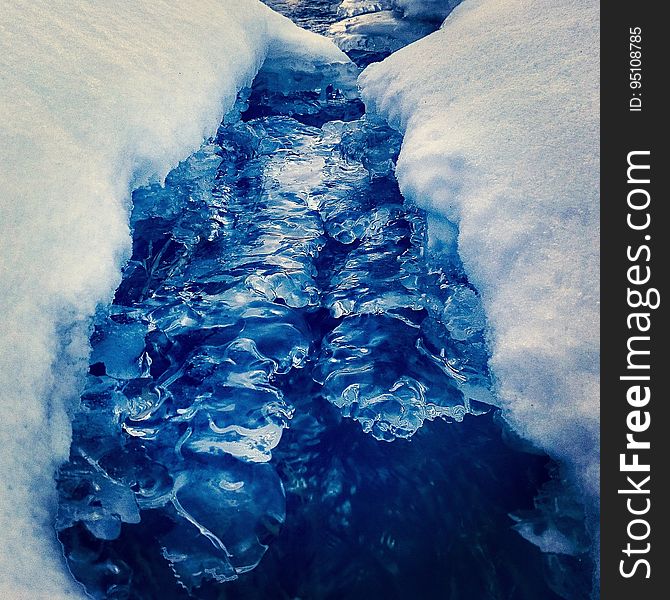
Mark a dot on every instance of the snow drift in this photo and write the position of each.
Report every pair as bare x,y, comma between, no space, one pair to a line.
96,99
499,111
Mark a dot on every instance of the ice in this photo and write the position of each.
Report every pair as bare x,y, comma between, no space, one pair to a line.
370,30
211,301
497,143
96,100
428,10
278,252
380,32
351,8
279,265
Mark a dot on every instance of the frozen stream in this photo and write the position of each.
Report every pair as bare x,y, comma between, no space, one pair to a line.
277,324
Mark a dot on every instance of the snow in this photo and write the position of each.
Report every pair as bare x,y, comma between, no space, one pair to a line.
96,99
499,110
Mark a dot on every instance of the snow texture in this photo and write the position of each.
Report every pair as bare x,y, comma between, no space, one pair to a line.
96,99
499,110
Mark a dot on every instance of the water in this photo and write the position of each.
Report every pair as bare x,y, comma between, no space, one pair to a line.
287,399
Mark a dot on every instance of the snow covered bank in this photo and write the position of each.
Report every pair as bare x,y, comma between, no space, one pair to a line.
500,114
96,99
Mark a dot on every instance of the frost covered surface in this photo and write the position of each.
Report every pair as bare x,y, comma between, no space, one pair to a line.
96,99
500,115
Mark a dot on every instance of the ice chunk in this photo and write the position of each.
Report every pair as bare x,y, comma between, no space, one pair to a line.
388,361
427,10
372,36
351,8
372,29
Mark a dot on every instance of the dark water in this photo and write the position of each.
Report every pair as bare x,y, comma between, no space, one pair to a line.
316,16
279,404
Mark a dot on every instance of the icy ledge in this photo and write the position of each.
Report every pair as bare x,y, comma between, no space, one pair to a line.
499,111
96,99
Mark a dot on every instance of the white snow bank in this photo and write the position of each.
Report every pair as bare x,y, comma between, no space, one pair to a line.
95,99
500,114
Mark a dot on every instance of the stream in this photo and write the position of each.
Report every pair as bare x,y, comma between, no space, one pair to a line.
289,396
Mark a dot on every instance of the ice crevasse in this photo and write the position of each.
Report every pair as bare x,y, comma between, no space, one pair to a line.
499,111
96,99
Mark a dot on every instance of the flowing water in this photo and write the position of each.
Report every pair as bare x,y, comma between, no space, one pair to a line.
288,398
